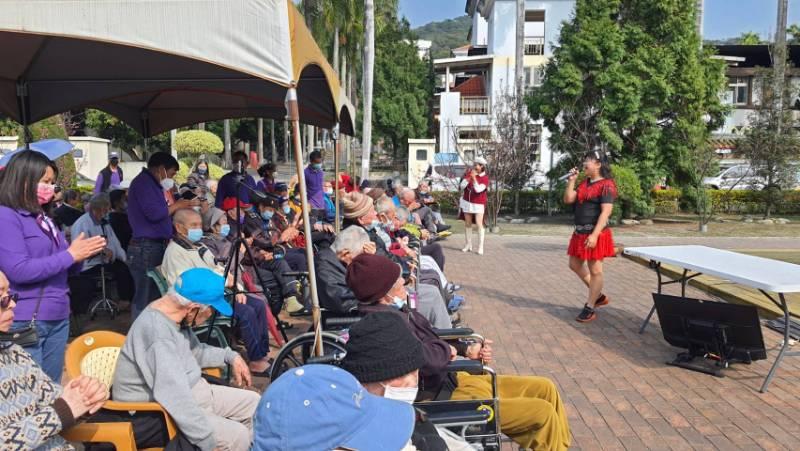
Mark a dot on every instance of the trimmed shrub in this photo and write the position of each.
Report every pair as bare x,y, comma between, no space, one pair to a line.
197,142
665,202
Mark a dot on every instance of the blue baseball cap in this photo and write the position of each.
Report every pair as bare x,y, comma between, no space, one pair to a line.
204,286
325,407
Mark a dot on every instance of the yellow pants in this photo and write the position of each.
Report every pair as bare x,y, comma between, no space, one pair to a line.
531,412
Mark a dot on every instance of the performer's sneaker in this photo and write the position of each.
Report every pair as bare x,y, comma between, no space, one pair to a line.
601,301
586,315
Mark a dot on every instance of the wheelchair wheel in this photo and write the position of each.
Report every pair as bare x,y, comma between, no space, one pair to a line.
300,349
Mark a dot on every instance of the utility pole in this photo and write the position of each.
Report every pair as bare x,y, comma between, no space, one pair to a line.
699,8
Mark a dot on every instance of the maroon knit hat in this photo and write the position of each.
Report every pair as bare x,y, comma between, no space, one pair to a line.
370,277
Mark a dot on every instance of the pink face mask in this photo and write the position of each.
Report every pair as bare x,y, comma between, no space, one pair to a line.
45,192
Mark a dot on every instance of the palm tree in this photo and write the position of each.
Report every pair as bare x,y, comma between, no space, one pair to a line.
369,68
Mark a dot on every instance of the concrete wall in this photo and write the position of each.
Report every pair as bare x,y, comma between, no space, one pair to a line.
480,30
451,119
8,143
502,23
93,155
418,167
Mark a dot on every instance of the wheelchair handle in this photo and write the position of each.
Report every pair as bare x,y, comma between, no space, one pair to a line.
330,359
458,332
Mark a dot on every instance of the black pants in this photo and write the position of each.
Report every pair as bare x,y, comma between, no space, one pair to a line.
278,286
435,252
82,287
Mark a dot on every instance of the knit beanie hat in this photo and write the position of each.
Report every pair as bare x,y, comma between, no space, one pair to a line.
370,277
356,205
381,347
213,217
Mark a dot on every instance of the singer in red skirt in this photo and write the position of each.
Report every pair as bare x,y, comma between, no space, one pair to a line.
592,241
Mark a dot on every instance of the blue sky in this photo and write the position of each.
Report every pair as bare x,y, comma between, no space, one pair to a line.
723,18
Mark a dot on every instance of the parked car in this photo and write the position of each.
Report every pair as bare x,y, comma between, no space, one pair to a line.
735,177
446,171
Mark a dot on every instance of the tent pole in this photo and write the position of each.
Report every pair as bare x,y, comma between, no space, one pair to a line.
22,103
293,110
336,162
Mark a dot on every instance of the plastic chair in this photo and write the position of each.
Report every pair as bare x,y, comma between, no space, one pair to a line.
120,434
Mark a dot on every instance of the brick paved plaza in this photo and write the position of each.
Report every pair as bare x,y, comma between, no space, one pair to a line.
618,391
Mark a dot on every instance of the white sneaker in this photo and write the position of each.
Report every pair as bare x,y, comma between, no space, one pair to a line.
467,248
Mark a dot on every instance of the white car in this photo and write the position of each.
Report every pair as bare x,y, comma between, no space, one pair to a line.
735,177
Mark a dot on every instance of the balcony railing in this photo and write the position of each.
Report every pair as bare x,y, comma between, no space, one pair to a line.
534,45
474,105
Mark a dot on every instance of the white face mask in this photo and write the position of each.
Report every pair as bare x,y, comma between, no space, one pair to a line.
167,183
404,394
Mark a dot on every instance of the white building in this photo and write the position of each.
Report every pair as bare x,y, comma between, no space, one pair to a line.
742,94
477,75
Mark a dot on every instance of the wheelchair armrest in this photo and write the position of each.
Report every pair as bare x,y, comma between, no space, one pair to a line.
474,367
460,417
458,332
342,321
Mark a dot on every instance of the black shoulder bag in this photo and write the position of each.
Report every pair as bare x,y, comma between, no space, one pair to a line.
27,336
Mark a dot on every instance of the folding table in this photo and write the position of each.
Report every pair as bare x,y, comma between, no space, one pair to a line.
765,275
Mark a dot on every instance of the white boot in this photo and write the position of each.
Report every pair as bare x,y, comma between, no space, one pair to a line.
480,240
468,234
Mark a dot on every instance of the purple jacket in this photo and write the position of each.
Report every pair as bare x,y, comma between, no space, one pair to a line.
33,260
315,182
148,213
226,187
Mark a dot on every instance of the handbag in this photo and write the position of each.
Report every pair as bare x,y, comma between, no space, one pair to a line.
27,336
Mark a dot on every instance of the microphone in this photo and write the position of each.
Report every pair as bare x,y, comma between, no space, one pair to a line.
565,176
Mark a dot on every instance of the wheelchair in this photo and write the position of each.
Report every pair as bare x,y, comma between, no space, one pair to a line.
476,421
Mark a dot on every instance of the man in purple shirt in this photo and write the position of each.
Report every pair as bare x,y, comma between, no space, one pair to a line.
110,176
151,223
315,179
227,184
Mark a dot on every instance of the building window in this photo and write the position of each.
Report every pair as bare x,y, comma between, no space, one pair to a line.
739,90
422,155
534,33
480,133
77,152
534,76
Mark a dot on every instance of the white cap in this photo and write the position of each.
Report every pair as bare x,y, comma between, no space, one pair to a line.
113,155
480,160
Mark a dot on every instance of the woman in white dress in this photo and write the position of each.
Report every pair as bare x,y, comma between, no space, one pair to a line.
473,203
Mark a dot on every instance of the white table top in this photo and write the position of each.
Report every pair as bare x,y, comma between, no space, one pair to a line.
756,272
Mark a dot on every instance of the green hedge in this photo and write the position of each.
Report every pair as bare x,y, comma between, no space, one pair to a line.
666,202
753,202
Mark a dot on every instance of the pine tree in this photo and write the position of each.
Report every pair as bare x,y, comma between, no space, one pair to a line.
630,77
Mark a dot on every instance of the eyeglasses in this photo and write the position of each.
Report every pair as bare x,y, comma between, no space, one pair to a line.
5,301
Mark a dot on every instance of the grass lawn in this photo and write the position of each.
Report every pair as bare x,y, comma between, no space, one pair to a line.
791,256
561,226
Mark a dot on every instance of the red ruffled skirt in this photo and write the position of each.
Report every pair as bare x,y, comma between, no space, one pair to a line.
603,249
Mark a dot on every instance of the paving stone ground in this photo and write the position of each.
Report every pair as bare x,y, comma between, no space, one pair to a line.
618,391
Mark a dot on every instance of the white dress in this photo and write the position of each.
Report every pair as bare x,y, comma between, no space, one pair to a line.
469,207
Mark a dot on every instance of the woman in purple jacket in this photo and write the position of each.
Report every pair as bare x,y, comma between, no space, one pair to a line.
36,257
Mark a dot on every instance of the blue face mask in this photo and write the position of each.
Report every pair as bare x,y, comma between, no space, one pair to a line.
194,235
267,215
287,209
316,166
224,230
399,303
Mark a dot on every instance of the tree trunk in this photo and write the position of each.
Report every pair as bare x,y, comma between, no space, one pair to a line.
369,67
343,74
516,203
309,139
227,135
260,146
172,135
286,152
780,58
336,49
272,141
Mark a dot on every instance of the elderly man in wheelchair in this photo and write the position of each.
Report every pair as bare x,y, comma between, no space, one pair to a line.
530,409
